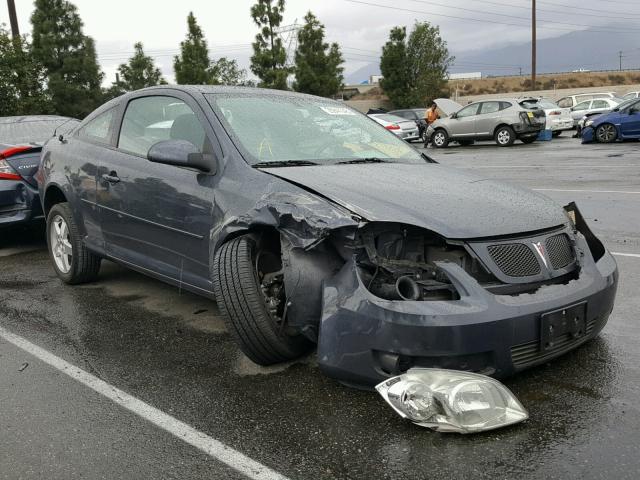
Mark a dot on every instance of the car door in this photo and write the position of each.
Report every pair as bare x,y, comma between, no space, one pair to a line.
487,118
601,106
580,110
462,123
156,216
630,121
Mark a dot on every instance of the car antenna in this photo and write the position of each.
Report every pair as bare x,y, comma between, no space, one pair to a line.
55,131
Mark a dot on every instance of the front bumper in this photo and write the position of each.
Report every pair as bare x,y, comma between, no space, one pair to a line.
588,134
19,203
364,339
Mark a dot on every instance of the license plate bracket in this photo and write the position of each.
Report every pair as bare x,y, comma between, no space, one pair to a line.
571,320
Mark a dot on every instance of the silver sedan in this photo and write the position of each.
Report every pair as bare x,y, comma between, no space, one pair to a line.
405,129
589,107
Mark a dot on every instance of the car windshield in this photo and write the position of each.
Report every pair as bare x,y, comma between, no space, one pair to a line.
626,104
274,129
23,130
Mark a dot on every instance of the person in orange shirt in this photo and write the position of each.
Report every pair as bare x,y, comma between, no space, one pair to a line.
430,116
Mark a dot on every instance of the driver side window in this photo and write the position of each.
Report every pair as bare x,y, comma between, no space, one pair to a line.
468,111
149,120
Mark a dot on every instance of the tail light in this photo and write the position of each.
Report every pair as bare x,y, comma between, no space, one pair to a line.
555,112
6,171
393,127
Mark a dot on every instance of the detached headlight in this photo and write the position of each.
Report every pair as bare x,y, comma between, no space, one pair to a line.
451,400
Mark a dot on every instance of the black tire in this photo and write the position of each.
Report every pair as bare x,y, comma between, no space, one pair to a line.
440,138
466,143
606,133
528,140
243,306
557,133
84,265
504,136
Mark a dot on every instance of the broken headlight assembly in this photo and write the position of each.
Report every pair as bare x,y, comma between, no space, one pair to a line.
451,400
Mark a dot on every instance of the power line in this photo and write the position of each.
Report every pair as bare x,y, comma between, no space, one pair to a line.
485,21
428,2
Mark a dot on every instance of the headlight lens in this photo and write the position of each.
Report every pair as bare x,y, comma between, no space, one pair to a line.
451,400
588,123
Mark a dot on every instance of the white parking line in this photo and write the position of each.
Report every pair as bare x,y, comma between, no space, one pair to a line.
583,191
181,430
635,255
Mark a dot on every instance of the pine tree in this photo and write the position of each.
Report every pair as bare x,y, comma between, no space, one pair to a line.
414,69
318,67
140,72
393,66
269,55
21,78
192,66
68,57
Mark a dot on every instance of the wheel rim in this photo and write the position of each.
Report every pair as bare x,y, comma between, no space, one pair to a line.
606,133
504,137
60,240
438,139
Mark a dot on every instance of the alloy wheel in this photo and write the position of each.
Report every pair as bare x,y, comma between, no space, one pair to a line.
60,240
504,137
438,139
606,133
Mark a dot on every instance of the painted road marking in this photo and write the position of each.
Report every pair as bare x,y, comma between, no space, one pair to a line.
212,447
584,191
635,255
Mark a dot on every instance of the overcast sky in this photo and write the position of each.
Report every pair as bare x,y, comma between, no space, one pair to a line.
360,28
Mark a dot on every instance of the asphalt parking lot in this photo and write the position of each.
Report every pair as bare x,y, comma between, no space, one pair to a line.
170,350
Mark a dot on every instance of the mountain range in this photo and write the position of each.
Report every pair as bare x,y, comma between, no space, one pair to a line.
591,49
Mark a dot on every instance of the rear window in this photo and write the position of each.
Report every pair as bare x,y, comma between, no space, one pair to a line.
23,130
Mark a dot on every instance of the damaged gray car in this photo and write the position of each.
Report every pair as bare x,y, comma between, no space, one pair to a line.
314,227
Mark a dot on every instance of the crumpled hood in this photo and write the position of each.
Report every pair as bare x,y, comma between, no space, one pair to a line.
444,200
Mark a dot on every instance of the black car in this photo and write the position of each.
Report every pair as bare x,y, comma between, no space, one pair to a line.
415,114
309,224
21,140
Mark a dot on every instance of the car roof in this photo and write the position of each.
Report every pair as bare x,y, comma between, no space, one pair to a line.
33,118
223,89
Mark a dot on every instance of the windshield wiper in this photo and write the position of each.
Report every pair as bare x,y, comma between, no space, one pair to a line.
363,160
284,163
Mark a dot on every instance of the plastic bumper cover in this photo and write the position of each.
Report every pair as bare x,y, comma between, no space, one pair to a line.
19,202
587,134
364,339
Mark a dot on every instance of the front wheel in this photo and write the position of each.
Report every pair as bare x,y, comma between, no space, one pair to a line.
249,287
71,259
505,136
606,133
440,139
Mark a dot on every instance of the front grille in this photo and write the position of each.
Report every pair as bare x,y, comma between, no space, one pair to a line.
514,259
529,353
559,251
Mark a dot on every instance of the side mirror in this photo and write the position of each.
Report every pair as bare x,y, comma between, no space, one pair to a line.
454,115
180,153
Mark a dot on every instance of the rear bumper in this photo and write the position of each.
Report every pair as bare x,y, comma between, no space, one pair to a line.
364,339
19,203
526,129
559,125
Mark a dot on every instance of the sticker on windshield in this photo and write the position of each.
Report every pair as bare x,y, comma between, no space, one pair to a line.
337,110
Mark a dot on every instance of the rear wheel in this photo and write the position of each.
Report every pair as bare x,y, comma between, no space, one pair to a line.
606,133
72,261
440,138
249,287
505,136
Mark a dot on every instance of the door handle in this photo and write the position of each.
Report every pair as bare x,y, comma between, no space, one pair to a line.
112,177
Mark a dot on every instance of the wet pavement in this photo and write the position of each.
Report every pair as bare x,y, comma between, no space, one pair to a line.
171,350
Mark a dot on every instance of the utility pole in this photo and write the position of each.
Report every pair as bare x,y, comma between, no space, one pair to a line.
533,44
13,19
620,56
